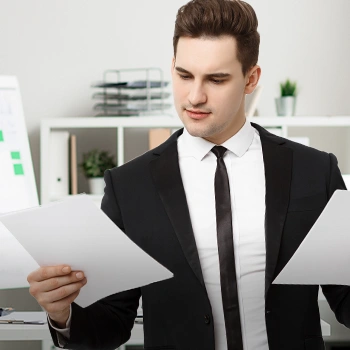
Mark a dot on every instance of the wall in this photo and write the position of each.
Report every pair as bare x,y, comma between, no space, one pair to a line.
58,48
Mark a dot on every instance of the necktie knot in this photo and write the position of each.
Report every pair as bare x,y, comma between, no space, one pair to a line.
219,151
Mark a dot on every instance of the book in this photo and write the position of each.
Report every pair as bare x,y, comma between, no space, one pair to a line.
73,165
59,164
158,136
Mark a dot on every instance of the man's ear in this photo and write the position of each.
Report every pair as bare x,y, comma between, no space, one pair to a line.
252,79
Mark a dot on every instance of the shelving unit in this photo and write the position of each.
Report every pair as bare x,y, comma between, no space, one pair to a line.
120,124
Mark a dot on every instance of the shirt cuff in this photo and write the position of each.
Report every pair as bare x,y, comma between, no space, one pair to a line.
63,334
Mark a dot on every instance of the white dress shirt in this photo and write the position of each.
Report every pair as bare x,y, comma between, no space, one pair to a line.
245,167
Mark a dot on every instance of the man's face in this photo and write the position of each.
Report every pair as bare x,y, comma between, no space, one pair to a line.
209,87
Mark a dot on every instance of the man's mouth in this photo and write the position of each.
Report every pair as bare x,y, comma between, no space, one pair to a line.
197,114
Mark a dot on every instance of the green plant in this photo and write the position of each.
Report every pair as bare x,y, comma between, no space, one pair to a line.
288,88
96,162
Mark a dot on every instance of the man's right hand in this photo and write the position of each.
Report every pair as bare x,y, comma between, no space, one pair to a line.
55,288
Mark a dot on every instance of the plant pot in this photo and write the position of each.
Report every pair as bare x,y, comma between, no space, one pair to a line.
96,185
285,106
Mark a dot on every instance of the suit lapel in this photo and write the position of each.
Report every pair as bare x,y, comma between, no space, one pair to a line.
167,178
278,174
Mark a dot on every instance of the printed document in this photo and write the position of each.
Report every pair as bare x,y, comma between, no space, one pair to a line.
77,233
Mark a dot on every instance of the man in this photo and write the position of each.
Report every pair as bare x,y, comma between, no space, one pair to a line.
172,202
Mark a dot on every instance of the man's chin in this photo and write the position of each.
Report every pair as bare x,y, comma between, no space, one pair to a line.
197,128
196,132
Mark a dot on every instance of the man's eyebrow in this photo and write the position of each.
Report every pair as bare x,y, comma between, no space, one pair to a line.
213,75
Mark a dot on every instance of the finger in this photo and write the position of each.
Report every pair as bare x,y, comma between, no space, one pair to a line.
55,282
44,273
60,293
58,306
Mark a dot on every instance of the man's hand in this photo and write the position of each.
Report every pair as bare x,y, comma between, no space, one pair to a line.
55,288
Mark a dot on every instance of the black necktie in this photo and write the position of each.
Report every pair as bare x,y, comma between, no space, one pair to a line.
226,253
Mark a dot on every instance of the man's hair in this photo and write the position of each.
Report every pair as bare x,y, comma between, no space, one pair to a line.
213,18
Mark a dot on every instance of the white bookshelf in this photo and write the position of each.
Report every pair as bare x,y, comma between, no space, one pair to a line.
120,124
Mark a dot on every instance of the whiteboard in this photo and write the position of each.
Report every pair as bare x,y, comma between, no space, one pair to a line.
17,182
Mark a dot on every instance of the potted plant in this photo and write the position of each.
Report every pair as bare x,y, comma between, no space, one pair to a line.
285,104
94,165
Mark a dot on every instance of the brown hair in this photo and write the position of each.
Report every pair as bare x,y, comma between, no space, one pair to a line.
213,18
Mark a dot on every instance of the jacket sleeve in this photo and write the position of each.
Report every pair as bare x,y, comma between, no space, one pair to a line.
106,324
338,297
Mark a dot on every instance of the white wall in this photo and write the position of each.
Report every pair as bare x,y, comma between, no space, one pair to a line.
307,40
57,48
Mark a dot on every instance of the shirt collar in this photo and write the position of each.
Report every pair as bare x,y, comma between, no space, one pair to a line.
239,143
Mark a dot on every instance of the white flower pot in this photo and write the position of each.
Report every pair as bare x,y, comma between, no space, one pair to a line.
285,105
96,185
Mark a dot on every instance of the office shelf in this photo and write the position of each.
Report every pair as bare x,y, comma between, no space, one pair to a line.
120,124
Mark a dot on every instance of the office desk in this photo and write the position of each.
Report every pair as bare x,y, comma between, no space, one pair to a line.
26,332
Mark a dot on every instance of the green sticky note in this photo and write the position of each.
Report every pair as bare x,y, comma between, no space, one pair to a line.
18,169
15,155
1,136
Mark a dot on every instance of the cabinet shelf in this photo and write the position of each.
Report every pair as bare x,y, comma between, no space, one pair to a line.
120,124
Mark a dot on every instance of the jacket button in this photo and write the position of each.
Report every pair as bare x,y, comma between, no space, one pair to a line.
268,311
206,319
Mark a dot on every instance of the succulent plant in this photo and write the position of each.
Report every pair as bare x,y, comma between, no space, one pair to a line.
288,88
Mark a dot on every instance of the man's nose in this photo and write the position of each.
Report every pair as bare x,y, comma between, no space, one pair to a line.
197,94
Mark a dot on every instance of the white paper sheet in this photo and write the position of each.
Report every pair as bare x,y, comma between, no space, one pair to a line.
75,232
15,262
36,317
324,255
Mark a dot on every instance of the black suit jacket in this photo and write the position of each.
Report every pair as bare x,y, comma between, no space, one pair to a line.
145,197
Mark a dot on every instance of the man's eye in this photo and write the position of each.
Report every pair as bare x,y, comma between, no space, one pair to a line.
184,77
217,81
